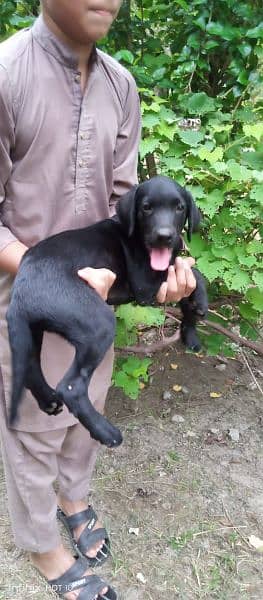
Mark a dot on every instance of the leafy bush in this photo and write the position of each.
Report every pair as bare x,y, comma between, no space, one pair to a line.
16,15
198,70
221,164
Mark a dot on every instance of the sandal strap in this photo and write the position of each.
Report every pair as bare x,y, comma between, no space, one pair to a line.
95,584
88,539
90,585
73,575
88,515
74,579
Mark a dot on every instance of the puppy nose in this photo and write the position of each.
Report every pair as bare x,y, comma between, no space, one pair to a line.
164,236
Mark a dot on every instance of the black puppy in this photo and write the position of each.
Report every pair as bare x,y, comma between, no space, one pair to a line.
48,295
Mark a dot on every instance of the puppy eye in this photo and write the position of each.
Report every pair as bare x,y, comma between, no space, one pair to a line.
147,208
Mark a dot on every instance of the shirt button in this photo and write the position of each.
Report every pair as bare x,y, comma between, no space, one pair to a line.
82,135
77,78
81,163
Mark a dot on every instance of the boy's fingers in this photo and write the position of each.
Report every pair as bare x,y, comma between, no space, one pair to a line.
100,279
161,295
185,277
180,281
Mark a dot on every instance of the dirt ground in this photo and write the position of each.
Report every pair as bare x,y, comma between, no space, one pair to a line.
184,492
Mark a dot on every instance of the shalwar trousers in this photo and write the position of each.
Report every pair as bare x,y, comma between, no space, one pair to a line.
34,460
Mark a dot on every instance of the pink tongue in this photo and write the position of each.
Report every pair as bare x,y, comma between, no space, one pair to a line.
160,258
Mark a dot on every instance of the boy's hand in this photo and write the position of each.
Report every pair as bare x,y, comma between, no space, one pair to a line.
100,279
180,282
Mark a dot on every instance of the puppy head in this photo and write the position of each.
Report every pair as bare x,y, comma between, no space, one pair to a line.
157,211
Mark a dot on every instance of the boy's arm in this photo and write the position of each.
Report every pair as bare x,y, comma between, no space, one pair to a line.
127,147
11,250
11,257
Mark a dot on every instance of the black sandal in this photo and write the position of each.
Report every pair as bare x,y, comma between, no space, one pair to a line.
88,537
74,579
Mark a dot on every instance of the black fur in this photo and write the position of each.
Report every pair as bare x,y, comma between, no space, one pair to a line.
48,295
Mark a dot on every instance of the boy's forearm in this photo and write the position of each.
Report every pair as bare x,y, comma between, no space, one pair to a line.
11,257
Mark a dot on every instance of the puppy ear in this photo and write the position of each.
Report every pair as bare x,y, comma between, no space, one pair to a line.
193,215
126,210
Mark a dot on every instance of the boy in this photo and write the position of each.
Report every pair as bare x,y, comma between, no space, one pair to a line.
69,135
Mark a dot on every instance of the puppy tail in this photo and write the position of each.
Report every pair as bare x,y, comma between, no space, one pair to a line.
21,343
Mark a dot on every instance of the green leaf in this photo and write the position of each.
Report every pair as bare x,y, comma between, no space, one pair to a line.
255,247
191,138
224,31
247,331
172,164
224,252
256,193
255,130
197,191
247,261
199,104
135,315
21,22
213,201
158,73
128,384
176,149
238,281
247,311
148,145
245,49
150,120
211,270
255,296
238,172
137,367
124,336
214,344
211,157
166,130
124,55
197,245
253,159
167,115
257,277
129,372
256,32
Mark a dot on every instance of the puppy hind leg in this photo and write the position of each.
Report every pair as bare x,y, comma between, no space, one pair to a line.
47,398
74,390
21,344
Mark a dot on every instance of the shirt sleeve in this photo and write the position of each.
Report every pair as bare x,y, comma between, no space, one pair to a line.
7,135
127,147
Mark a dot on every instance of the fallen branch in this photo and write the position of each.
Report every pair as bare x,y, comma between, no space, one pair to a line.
236,338
168,341
151,348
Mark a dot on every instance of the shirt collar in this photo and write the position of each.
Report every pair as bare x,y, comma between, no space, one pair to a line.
51,44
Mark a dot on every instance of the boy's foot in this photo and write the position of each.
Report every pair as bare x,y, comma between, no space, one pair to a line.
73,508
56,563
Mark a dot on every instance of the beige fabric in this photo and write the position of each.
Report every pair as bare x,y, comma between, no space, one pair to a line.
64,160
33,461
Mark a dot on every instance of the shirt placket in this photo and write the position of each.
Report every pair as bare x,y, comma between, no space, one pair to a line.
83,157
